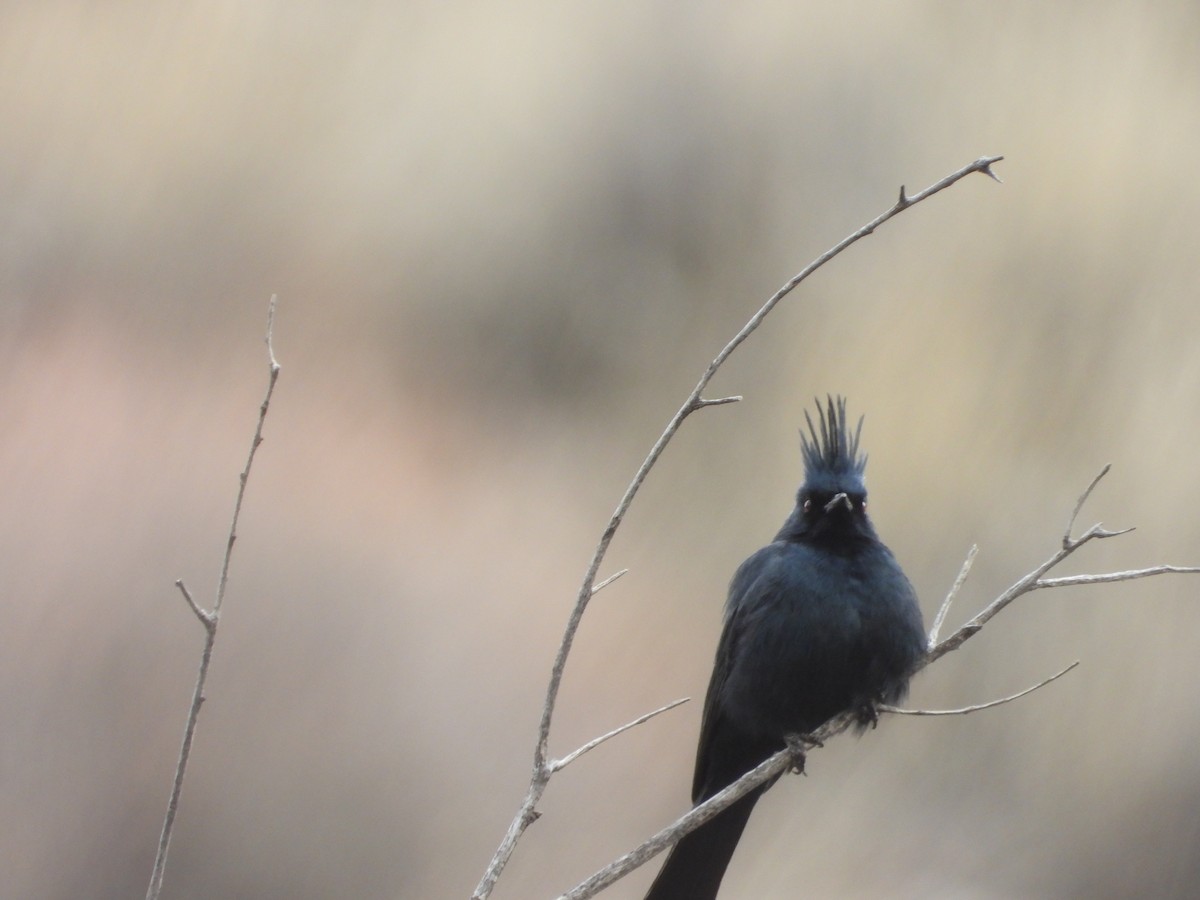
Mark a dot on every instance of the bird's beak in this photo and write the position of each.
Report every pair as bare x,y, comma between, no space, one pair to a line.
842,498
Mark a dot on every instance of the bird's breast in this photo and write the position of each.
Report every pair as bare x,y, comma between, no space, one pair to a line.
817,634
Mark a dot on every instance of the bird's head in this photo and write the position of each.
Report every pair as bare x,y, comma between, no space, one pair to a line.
833,499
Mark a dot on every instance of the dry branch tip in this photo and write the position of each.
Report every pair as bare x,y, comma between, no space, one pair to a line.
940,618
210,619
270,338
597,588
1083,498
207,619
556,764
702,402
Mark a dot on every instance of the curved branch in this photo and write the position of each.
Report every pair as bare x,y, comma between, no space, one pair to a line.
526,814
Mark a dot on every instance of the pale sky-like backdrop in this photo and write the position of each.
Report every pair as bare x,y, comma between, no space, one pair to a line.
506,240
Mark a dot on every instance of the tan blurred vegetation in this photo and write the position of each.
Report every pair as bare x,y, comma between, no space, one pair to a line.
506,239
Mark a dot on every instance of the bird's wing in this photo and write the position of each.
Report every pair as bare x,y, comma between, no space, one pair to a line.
712,722
713,725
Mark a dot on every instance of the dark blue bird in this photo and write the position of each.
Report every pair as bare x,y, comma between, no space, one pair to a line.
819,622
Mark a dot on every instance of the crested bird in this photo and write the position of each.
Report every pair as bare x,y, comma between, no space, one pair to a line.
819,622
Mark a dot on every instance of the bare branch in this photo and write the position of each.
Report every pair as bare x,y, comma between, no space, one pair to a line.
962,711
557,764
693,402
210,621
768,770
690,821
1035,580
245,474
953,592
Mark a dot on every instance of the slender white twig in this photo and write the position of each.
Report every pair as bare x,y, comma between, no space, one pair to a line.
951,594
1110,577
963,710
702,402
210,621
526,813
1083,498
607,581
207,619
557,764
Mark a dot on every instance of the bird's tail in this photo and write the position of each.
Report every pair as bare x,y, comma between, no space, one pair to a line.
694,868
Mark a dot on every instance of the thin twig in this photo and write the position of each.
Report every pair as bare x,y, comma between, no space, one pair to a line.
1110,577
207,619
557,764
245,475
951,594
526,814
962,711
210,621
1083,498
607,581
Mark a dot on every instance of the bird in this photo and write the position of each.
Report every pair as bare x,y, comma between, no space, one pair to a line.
819,622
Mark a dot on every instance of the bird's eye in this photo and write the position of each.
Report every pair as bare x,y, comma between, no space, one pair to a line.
863,504
807,505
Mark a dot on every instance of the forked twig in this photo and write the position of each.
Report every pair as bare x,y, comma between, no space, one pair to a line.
210,619
1036,580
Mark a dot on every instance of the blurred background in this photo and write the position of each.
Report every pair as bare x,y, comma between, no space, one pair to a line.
507,238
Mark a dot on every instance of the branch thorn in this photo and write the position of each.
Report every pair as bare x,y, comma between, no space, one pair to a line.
987,169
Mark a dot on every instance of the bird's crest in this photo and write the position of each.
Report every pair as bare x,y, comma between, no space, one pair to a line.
833,450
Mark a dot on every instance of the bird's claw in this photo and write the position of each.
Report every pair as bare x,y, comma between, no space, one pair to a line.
867,714
798,746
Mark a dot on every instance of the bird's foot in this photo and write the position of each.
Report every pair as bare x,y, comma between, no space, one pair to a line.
866,714
798,746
